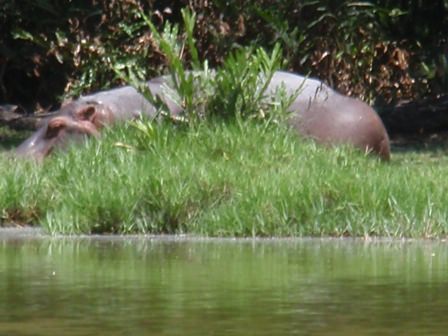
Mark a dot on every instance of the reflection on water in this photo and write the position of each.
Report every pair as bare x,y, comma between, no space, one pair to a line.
167,286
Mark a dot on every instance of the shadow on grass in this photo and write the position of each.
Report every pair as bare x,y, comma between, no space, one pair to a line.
420,147
10,139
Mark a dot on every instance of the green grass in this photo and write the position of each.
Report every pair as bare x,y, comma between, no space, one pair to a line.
225,179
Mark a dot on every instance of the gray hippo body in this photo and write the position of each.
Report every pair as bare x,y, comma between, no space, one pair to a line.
88,114
321,113
318,112
127,103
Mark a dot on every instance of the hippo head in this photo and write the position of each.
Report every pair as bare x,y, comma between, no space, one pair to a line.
74,121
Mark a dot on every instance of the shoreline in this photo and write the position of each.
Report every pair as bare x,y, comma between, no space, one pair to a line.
32,233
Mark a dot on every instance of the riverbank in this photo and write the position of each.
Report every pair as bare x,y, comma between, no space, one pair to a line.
221,179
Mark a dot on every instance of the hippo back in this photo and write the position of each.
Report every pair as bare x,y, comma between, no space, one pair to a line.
308,89
127,103
320,113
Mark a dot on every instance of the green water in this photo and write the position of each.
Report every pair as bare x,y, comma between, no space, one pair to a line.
167,286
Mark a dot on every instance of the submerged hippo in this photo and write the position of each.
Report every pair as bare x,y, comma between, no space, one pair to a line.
318,112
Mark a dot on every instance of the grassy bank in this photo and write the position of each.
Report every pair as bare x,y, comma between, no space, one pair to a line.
222,179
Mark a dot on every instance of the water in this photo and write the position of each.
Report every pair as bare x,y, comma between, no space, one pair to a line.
169,286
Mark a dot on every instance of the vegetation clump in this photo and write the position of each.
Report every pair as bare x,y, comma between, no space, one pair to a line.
378,50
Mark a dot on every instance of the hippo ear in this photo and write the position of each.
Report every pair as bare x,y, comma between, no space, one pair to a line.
54,127
86,113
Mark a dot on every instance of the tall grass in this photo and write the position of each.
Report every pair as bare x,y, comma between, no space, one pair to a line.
223,179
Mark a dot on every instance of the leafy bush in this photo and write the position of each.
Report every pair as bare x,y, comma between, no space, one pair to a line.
236,90
378,50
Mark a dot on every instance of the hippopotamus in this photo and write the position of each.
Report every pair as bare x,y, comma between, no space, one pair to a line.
88,114
317,112
320,113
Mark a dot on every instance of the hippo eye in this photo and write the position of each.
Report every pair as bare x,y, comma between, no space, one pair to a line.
54,127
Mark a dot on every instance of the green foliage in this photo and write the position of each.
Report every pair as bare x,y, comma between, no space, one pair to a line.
241,84
235,90
53,49
186,85
188,88
378,50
